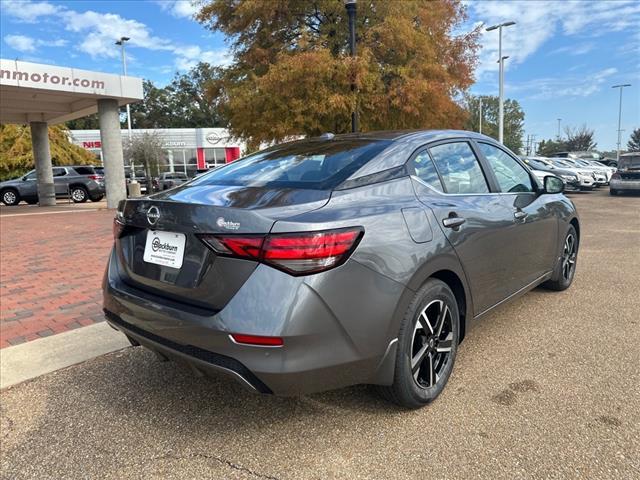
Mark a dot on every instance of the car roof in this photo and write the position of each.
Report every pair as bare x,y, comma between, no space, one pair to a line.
402,144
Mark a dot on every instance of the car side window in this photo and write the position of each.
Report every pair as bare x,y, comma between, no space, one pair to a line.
459,168
59,172
31,176
426,171
512,177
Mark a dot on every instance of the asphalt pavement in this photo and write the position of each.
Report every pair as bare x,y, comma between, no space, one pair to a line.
547,386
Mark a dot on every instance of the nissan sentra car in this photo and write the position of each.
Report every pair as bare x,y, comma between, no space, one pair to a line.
338,260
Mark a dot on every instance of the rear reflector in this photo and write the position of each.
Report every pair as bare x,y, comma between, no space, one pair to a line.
295,253
257,340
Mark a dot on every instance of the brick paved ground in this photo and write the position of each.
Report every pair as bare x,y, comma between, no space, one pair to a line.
51,268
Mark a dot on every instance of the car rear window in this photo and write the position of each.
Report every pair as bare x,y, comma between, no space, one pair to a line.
310,164
84,170
631,161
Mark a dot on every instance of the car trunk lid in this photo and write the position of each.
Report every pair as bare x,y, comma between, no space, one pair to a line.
204,279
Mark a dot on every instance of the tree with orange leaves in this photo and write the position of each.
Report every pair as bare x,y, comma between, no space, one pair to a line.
291,71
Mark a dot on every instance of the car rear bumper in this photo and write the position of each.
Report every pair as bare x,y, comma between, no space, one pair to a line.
323,347
625,184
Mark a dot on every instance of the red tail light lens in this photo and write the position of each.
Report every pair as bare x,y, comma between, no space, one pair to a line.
257,340
97,178
295,253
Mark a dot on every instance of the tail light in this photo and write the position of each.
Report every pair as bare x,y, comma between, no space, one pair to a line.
295,253
256,340
97,178
616,176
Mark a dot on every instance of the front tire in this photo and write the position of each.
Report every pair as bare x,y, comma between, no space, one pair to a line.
566,268
427,346
10,197
79,194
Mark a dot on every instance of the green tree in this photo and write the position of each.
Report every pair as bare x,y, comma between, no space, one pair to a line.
633,145
547,148
291,72
16,153
513,119
147,150
579,139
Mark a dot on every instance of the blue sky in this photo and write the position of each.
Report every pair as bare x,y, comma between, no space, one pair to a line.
564,55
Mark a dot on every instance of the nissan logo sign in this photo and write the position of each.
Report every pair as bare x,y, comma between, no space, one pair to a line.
213,138
153,215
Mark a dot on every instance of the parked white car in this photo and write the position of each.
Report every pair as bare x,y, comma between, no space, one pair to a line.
600,176
587,178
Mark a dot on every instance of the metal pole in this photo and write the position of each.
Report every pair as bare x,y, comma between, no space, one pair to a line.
480,115
559,120
351,11
501,106
124,70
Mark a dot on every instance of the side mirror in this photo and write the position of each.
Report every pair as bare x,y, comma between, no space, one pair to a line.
553,184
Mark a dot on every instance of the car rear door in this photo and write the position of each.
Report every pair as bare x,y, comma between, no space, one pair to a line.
61,181
533,235
475,219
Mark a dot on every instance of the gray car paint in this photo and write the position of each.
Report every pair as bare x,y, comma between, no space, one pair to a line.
340,325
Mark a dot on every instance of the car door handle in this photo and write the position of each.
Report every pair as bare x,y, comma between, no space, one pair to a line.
453,222
520,215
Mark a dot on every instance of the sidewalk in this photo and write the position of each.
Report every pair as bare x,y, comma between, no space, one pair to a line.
51,265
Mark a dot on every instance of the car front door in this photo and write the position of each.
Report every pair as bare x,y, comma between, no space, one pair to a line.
533,236
474,218
29,186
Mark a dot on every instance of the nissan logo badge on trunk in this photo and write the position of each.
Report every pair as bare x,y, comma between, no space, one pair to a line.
153,215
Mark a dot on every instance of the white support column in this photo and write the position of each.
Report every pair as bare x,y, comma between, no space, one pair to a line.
42,157
111,138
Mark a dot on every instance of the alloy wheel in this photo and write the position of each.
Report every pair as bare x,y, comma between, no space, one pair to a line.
78,195
431,344
9,197
569,254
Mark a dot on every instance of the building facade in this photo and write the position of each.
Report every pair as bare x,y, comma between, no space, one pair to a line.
187,150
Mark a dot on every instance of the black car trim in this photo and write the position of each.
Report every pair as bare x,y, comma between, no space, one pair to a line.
215,359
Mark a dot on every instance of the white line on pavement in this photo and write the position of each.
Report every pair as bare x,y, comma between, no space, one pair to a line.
50,213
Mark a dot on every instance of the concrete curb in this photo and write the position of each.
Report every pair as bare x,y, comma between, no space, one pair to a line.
32,359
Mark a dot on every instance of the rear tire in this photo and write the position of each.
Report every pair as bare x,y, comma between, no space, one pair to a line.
566,268
97,199
79,194
613,192
427,346
10,197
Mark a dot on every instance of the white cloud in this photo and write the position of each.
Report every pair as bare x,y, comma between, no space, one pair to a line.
567,86
99,31
178,8
188,57
578,49
23,43
29,12
538,21
102,29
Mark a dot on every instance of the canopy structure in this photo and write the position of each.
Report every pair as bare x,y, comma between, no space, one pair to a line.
42,95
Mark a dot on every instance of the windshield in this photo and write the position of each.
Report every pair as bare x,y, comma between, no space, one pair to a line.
311,164
539,165
562,163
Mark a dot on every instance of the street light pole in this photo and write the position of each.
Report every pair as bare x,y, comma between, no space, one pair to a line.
351,7
501,81
559,120
121,43
480,114
621,87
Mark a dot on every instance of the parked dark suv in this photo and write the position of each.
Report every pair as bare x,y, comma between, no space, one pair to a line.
79,182
326,262
627,177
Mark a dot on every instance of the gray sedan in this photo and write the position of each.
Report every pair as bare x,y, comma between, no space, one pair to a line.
338,260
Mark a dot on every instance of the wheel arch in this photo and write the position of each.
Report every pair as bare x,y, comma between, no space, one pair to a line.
454,282
576,224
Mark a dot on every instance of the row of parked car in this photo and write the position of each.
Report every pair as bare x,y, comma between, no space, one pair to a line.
78,183
579,174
